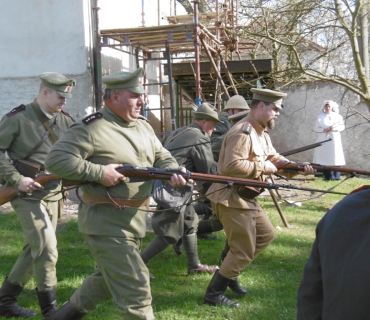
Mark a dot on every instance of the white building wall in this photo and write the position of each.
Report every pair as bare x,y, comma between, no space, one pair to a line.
53,35
301,108
40,36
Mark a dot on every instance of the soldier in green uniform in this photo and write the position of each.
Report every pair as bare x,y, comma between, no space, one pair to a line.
90,151
235,105
26,134
197,157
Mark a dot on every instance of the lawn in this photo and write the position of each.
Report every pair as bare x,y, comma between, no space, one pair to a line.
272,280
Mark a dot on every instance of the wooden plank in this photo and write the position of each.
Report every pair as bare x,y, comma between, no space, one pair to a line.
235,66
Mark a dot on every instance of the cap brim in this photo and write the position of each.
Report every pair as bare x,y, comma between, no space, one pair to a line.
280,106
66,95
139,89
205,116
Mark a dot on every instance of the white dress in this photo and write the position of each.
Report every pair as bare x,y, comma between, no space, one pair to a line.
330,153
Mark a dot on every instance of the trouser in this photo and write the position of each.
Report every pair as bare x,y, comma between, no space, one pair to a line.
248,232
203,208
39,256
121,274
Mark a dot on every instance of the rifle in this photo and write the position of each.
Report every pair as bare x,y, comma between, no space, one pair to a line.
310,146
320,168
9,193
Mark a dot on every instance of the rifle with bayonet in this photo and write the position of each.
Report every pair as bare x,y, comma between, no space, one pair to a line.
255,186
283,165
308,147
286,153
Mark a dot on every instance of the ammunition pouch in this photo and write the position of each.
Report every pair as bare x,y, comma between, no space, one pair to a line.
27,168
249,193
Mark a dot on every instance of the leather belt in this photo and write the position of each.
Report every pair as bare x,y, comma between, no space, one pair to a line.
119,202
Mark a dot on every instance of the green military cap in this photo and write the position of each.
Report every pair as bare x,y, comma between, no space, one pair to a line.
59,83
125,80
268,95
206,112
238,116
237,102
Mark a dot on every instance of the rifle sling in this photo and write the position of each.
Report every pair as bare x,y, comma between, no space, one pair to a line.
167,145
118,202
40,114
45,136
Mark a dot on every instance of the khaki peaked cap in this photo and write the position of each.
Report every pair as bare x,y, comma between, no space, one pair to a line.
58,82
206,112
125,80
237,102
268,95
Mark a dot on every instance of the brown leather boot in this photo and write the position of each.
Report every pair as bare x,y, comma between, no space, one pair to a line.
202,268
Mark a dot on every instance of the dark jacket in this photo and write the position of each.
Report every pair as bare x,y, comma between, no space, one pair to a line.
336,278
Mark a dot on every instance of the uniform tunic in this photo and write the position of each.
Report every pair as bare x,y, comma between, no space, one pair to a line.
113,235
195,158
331,152
336,278
247,227
20,131
221,127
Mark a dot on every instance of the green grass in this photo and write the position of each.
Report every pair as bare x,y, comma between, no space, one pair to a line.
272,279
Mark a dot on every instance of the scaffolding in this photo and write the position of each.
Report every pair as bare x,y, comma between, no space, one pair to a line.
206,44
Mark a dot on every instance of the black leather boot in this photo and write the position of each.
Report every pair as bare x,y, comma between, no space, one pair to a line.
47,302
235,287
9,307
205,229
68,312
215,292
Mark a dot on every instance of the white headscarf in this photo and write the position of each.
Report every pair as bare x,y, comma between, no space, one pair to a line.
333,106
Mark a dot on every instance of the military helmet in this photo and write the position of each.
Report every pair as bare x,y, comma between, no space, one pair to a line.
237,102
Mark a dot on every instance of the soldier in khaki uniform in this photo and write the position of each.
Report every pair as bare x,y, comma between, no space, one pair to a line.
90,151
246,152
27,133
170,226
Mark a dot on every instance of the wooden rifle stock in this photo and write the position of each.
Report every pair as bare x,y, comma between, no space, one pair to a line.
9,193
319,168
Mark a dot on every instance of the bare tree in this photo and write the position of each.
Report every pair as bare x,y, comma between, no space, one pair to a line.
188,6
309,40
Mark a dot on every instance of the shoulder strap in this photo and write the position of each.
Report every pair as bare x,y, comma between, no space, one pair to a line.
46,134
39,115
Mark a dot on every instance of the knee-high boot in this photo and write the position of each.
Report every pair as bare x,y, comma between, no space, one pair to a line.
215,292
9,307
236,287
68,312
190,244
47,302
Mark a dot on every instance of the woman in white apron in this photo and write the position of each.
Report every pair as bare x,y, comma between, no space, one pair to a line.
329,124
